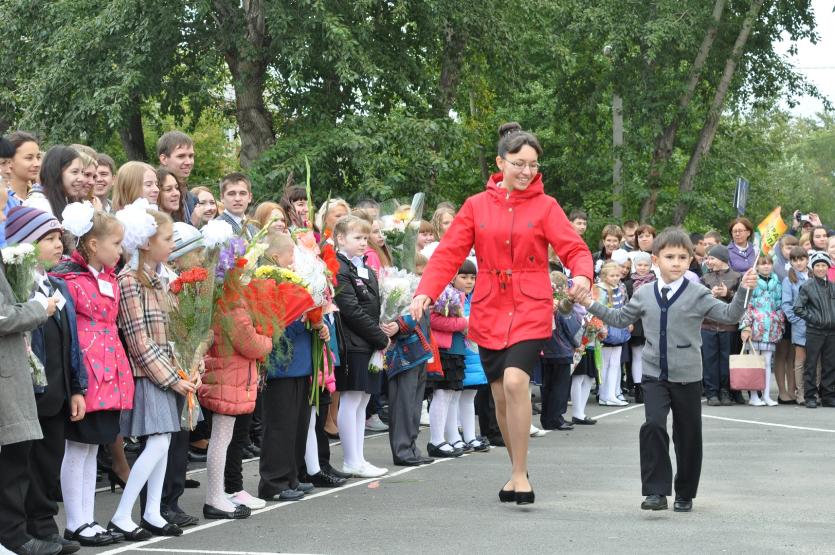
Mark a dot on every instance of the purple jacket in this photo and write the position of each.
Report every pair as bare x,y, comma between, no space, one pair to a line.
741,260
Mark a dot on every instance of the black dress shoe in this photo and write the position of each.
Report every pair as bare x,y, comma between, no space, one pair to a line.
180,519
587,421
497,441
323,479
289,495
565,426
137,535
408,462
525,497
167,530
97,540
436,451
67,546
191,483
305,487
328,469
426,460
240,512
462,446
196,456
789,402
37,547
654,502
682,505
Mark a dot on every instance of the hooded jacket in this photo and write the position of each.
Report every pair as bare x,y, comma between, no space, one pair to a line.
511,231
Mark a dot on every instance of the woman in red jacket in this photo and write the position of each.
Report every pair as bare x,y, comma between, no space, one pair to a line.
511,225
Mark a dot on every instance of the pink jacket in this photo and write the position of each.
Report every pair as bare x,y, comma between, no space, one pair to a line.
230,383
444,326
109,377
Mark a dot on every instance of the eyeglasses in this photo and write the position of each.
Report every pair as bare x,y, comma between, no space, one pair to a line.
735,231
520,165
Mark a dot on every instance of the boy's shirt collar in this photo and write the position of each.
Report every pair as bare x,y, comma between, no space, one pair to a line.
673,286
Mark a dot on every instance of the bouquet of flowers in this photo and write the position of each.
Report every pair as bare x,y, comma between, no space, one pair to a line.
449,303
21,261
397,287
400,228
559,288
593,327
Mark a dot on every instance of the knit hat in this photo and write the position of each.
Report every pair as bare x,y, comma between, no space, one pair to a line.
186,239
25,224
719,252
620,256
815,257
641,256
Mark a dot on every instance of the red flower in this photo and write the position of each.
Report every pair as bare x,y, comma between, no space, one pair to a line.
176,286
241,262
332,263
314,315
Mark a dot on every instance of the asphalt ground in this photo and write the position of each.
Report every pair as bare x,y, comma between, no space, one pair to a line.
768,482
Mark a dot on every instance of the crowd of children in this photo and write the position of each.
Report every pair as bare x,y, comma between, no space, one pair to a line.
89,361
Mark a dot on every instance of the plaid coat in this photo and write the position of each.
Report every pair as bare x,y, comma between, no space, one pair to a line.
143,319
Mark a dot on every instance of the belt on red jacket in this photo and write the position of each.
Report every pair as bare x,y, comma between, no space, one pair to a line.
505,276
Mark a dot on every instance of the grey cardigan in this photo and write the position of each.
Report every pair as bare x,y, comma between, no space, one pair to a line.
18,414
673,336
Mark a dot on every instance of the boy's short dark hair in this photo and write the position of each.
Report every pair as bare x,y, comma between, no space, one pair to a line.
233,178
630,224
672,237
367,203
578,214
715,235
105,160
467,267
170,141
696,237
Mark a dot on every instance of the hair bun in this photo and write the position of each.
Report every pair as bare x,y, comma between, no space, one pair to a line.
508,128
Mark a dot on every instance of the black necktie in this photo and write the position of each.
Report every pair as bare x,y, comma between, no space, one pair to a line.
665,291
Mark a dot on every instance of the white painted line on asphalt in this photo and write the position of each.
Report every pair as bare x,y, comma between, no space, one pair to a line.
605,414
158,550
280,505
773,424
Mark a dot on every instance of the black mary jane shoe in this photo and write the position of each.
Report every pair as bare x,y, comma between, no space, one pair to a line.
525,497
138,534
117,536
240,512
98,540
167,530
436,451
462,446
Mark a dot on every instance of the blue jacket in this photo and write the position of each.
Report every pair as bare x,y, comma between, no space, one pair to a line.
474,372
408,350
78,372
565,338
299,341
790,292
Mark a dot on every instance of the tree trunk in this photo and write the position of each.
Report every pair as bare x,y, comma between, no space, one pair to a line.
132,134
453,50
665,141
708,131
246,52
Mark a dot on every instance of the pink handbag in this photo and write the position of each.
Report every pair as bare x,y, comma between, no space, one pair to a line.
747,370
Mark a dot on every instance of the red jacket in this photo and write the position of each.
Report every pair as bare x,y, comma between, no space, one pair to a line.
230,383
512,301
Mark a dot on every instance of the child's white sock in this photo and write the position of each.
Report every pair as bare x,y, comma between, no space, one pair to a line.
466,412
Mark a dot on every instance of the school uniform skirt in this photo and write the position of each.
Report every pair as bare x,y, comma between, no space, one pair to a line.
523,355
455,367
96,428
355,375
154,411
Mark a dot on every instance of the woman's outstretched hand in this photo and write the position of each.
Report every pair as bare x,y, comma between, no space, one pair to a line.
419,304
581,288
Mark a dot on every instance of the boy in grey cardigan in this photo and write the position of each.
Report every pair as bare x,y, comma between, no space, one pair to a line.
672,311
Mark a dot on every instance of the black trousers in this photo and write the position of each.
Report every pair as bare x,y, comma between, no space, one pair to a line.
14,487
656,470
556,388
233,473
286,419
45,476
486,409
405,395
820,344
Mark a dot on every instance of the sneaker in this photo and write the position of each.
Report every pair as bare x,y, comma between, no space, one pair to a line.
756,402
536,432
725,398
374,424
770,402
247,500
366,470
424,413
713,402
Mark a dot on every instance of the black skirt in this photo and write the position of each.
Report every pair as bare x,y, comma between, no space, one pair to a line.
355,376
586,366
96,428
523,355
454,369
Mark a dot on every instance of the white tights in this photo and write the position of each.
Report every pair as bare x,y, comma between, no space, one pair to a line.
637,363
755,395
149,468
466,413
438,415
311,449
610,375
351,423
580,390
222,428
78,486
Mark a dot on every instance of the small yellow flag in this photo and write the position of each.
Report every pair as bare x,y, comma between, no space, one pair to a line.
771,229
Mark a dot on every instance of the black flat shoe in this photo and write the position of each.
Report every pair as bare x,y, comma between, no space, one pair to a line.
462,446
240,512
655,502
117,537
328,469
137,535
305,487
191,484
782,402
436,451
682,505
525,497
565,426
180,519
587,421
408,462
167,530
97,540
507,495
